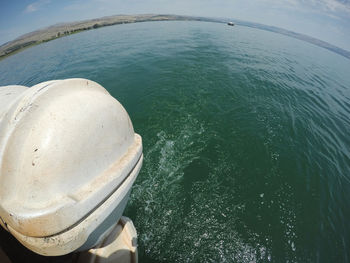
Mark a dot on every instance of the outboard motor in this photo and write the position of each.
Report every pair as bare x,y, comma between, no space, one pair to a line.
68,158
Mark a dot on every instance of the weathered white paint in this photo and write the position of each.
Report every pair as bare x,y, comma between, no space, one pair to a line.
119,246
69,156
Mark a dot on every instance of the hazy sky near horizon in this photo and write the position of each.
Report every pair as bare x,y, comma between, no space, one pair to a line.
328,20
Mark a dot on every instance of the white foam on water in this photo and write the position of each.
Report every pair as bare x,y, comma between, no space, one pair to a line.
204,232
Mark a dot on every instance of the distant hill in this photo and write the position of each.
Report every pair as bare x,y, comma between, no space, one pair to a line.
64,29
303,37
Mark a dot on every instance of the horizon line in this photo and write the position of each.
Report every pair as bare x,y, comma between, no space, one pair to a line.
312,40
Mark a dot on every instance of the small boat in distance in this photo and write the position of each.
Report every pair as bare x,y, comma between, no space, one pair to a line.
230,23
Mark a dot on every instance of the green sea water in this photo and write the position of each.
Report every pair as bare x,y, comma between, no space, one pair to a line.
245,133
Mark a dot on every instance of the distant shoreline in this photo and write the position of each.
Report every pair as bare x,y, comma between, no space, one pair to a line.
66,29
61,30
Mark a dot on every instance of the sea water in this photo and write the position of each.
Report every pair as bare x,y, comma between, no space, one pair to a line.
245,133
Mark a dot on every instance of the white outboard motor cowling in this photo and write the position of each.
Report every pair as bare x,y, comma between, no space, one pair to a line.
68,158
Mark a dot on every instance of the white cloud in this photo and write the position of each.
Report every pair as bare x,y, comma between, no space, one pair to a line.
335,5
325,5
35,6
30,8
330,5
334,9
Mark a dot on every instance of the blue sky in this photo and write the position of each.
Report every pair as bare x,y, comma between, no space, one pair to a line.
328,20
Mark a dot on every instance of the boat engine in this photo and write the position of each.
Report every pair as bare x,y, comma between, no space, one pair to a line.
68,159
